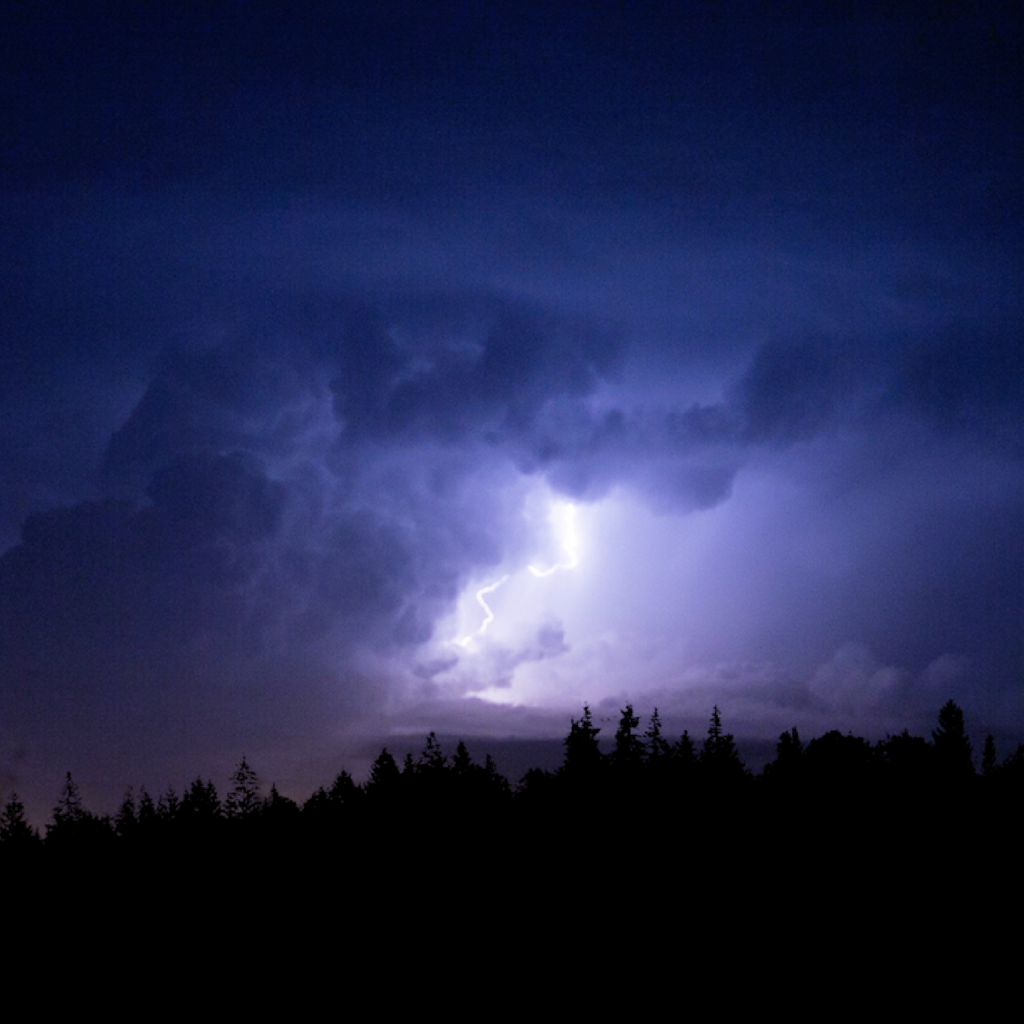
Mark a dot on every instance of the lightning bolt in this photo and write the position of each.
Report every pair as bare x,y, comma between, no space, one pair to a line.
568,535
488,614
564,521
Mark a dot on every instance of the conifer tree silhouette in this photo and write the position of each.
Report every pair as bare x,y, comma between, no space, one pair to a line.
244,798
789,759
69,809
15,831
989,760
433,760
627,754
583,757
385,780
656,748
344,792
73,826
280,813
684,752
149,816
953,749
462,763
330,810
719,758
200,809
496,784
126,821
168,806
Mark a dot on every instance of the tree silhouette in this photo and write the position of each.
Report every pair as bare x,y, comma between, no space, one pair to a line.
343,792
628,752
789,759
907,761
1012,768
200,810
989,760
496,784
684,752
386,780
167,807
15,832
384,770
69,809
149,816
329,811
244,798
953,749
583,758
126,821
846,790
433,760
462,763
72,824
719,759
280,813
656,748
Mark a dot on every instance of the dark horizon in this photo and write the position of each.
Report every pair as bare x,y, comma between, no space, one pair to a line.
514,759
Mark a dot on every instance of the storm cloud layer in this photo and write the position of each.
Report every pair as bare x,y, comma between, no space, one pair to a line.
314,323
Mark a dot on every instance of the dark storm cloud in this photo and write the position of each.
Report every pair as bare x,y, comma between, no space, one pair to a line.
517,382
208,398
495,379
337,488
112,608
965,379
104,577
330,482
793,389
299,307
518,386
287,491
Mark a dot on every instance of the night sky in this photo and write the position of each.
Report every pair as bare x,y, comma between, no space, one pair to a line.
316,320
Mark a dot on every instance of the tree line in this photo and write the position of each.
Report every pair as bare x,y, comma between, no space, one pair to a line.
643,772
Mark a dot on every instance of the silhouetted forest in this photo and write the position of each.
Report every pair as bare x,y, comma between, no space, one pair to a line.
640,844
833,779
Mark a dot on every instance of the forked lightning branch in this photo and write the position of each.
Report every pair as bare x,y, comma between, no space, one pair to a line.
564,521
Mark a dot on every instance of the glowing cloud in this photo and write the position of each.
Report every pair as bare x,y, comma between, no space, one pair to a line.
563,517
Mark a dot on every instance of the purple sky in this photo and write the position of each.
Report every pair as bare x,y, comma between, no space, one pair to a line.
315,321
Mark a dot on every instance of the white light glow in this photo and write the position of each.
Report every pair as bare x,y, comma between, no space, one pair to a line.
561,518
488,614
